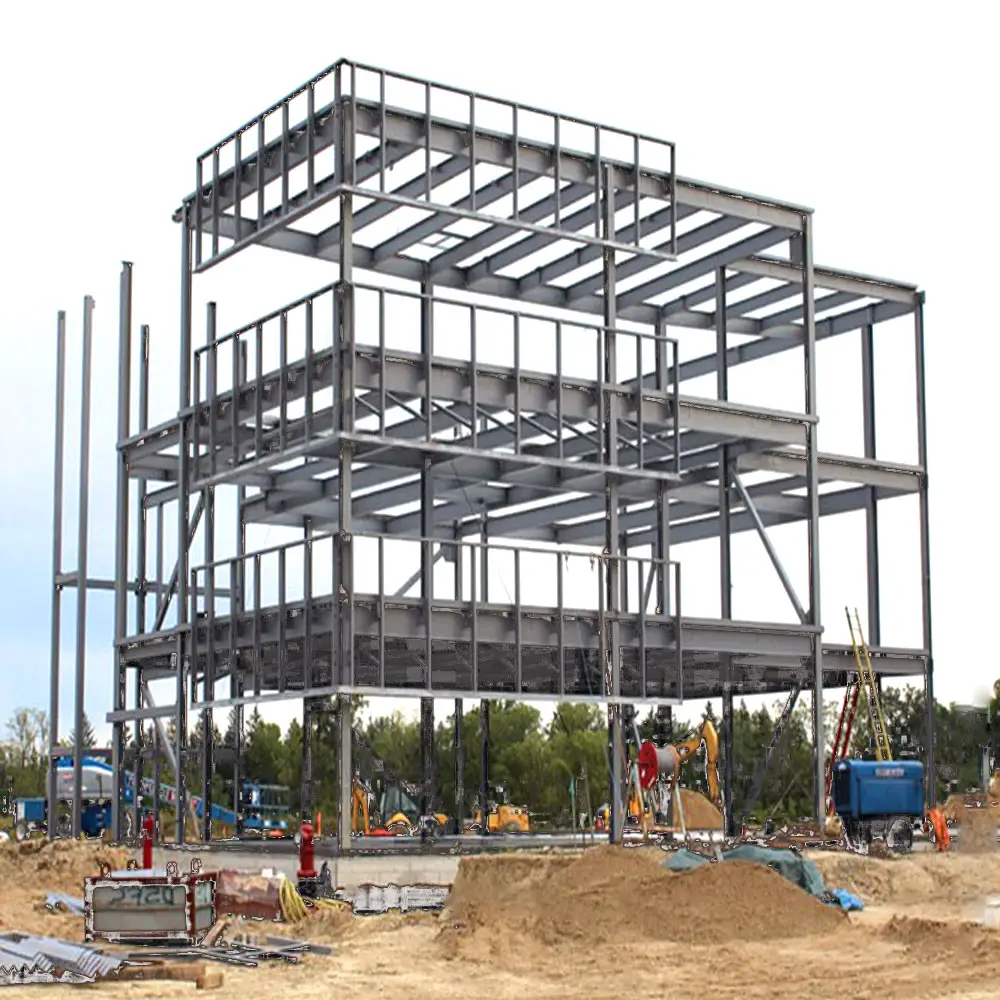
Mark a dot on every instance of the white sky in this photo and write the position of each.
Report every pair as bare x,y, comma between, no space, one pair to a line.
878,116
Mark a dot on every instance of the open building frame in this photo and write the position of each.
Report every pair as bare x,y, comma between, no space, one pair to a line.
372,416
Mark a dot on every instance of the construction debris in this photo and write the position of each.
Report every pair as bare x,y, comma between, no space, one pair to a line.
370,899
247,895
198,973
51,955
60,901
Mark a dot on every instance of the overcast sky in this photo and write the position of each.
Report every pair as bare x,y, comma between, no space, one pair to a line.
881,117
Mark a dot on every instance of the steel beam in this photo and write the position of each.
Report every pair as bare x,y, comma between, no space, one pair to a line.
121,547
925,552
51,784
858,285
81,596
344,386
141,588
725,554
183,538
812,474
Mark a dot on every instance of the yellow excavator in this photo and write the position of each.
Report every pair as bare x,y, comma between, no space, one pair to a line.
502,816
653,782
394,813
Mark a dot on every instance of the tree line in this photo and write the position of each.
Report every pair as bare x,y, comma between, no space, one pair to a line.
536,762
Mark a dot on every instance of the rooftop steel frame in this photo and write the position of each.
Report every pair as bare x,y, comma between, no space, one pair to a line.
503,385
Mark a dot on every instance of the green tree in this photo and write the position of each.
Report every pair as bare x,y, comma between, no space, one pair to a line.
89,740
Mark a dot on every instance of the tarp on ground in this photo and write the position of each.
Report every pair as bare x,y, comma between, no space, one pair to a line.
795,868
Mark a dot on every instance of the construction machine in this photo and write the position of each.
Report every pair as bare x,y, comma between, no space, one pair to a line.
502,816
393,810
652,786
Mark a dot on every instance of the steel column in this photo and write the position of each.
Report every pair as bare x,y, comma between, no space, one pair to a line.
81,585
238,604
459,743
183,542
725,554
871,503
925,552
427,530
142,516
812,475
484,705
611,642
57,516
121,547
343,583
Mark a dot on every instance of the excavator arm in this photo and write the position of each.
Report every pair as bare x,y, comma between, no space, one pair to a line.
686,749
359,808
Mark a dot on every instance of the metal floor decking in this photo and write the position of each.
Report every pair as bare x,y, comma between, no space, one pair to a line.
515,655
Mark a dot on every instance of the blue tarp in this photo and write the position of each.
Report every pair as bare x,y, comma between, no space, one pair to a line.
788,863
845,900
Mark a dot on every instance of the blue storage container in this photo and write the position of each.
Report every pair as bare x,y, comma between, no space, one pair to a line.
869,789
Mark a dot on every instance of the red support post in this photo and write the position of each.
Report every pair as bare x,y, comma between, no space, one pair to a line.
307,852
147,840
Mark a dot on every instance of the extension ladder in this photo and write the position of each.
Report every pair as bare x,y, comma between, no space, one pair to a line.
863,661
865,676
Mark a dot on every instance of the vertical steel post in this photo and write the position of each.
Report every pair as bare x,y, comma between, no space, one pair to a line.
725,554
812,476
459,745
306,804
238,606
427,526
121,547
925,552
871,500
459,769
81,573
484,705
140,573
428,782
343,584
57,517
208,714
183,502
663,581
612,540
306,786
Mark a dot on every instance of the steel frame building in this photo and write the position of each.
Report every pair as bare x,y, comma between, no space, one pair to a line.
492,372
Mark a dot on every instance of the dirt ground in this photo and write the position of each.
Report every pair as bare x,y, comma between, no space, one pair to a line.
607,919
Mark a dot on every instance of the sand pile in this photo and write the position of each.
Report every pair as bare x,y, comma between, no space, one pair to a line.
930,940
911,879
616,895
977,831
699,813
56,866
34,868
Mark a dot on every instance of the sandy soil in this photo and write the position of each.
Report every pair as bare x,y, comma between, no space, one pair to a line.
606,920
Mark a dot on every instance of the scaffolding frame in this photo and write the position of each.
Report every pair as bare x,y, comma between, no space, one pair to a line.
472,215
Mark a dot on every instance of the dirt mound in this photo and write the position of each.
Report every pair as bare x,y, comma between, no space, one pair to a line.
699,813
977,831
913,879
616,895
932,940
56,866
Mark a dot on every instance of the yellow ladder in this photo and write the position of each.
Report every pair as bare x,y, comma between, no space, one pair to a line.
862,660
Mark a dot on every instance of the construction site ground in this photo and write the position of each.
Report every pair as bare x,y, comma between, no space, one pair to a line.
571,925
